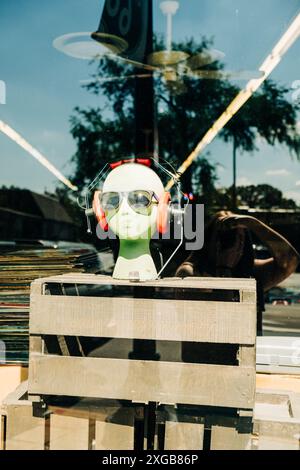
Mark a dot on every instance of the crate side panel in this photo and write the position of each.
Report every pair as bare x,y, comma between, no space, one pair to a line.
143,381
170,320
198,282
68,433
183,436
228,438
116,430
24,431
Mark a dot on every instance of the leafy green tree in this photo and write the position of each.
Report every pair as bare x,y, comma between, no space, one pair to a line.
204,176
263,196
185,111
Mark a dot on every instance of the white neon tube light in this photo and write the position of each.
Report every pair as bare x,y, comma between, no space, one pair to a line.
12,134
269,64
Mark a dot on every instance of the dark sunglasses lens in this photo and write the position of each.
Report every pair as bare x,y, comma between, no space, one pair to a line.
110,201
139,200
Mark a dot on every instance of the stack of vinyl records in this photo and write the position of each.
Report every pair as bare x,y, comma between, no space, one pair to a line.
19,266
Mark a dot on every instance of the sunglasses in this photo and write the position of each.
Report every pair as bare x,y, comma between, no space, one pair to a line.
140,201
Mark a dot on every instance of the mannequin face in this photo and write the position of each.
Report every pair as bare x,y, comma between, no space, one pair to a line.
131,193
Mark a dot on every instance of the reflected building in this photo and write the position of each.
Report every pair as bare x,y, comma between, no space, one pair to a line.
25,214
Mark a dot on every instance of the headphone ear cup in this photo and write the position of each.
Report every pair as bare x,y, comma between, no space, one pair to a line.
163,213
99,213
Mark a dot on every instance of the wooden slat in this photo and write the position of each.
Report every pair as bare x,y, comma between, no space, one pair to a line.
68,433
143,381
24,432
223,431
200,282
183,436
36,344
248,296
207,321
69,427
2,430
220,283
281,382
36,287
116,430
247,356
63,345
114,425
286,428
276,443
294,399
226,438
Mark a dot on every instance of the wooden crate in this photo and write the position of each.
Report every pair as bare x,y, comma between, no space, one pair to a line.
211,311
111,425
276,425
86,425
202,428
276,420
20,430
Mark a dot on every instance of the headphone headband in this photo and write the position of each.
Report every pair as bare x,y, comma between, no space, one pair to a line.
142,161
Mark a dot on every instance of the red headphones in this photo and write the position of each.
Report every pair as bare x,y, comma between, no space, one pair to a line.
162,208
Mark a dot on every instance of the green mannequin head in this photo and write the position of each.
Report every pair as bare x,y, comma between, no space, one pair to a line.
130,197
